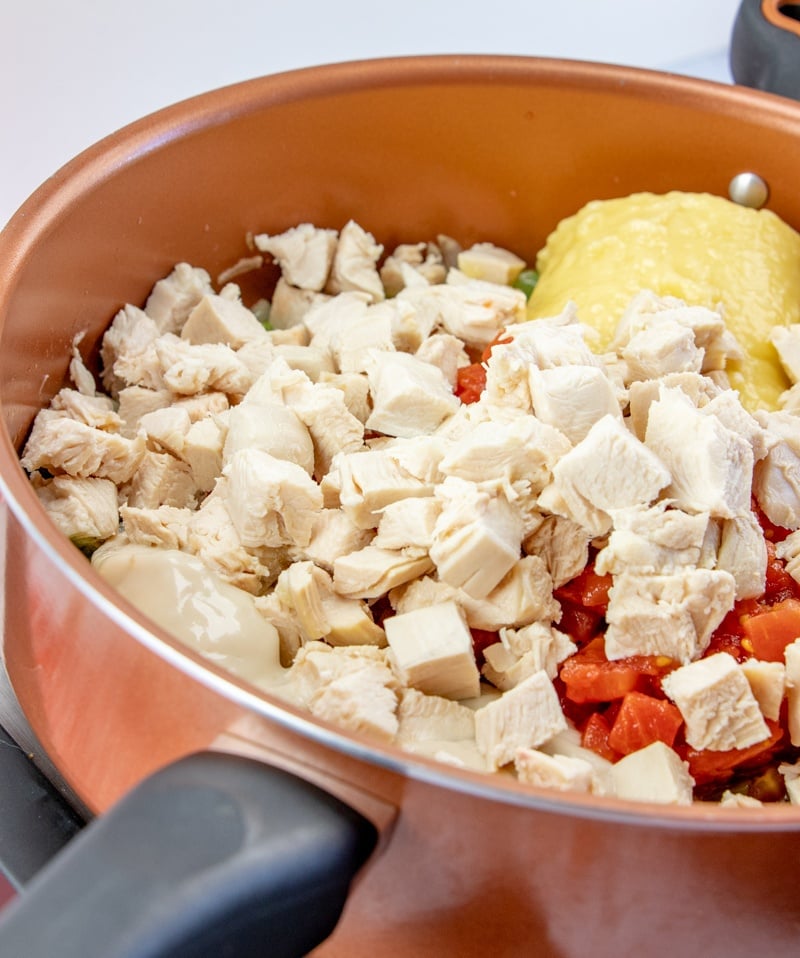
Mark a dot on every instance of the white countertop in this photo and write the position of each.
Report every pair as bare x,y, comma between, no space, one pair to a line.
74,72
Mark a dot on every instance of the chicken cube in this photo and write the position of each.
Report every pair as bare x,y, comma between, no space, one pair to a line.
559,772
655,773
173,297
491,263
609,469
524,717
717,704
711,466
431,650
572,398
672,614
304,254
409,396
476,539
768,685
370,572
271,502
354,264
217,319
84,509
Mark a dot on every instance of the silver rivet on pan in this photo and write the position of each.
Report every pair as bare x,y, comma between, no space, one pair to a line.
748,189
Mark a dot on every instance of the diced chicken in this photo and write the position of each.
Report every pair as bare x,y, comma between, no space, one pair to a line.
425,259
290,306
671,615
333,428
371,571
81,376
522,448
568,743
217,319
165,527
410,397
717,704
653,539
333,535
776,485
408,523
477,537
272,502
270,427
431,651
166,429
256,356
360,701
660,349
786,340
524,717
523,595
445,352
418,457
204,404
137,401
355,390
213,538
491,263
174,297
559,772
609,469
572,398
310,359
521,652
128,351
655,773
354,263
369,481
202,450
351,686
562,545
60,444
711,466
161,480
425,718
699,389
711,336
95,411
307,592
324,319
189,369
304,254
84,509
743,553
731,799
356,335
792,658
768,684
472,309
728,409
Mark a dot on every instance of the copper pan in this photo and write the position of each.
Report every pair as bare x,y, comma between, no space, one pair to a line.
481,148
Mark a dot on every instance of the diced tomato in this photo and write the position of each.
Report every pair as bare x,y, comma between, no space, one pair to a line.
588,676
470,383
710,766
595,736
481,638
773,629
642,720
587,589
578,623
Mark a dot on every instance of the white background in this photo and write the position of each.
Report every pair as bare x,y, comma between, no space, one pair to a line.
72,71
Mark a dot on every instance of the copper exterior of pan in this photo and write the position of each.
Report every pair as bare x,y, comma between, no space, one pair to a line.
481,148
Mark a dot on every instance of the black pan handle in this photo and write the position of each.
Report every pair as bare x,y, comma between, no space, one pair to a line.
215,855
765,46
